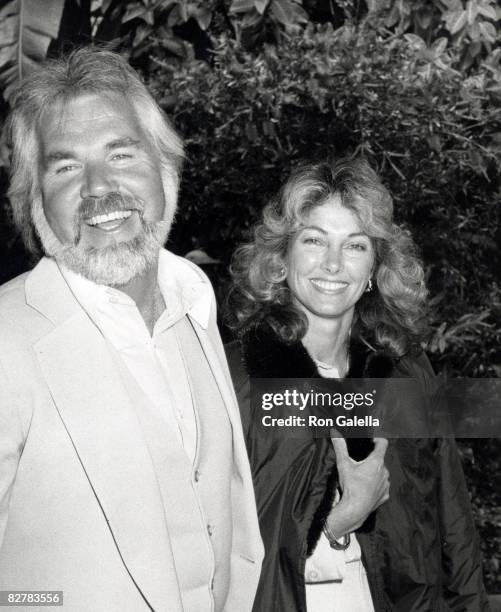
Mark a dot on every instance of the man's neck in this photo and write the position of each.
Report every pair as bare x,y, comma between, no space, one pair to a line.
145,292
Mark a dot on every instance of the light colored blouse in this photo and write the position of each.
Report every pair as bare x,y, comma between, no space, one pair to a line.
336,580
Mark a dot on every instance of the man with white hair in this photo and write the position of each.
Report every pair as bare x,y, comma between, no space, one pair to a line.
124,479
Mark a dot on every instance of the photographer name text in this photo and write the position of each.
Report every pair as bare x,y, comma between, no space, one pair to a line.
314,421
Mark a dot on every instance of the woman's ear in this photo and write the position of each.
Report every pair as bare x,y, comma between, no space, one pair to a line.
282,273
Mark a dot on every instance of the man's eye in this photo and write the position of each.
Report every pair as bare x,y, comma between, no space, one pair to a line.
67,168
120,156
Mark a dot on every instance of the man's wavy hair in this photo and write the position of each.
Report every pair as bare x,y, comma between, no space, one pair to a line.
391,316
88,70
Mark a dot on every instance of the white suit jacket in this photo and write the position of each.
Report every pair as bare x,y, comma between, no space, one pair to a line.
80,507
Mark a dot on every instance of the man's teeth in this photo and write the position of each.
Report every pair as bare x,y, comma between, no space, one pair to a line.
112,216
329,285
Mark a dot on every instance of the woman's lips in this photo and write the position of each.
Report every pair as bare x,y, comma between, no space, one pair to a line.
327,286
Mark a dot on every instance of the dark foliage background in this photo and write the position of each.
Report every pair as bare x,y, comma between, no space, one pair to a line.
255,86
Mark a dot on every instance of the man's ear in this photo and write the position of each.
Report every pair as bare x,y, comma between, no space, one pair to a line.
170,184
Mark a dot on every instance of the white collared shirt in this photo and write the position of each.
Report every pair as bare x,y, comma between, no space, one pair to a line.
156,361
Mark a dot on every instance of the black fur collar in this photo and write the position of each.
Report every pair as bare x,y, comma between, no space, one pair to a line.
267,356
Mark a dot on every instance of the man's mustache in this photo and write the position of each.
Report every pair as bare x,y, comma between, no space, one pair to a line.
111,202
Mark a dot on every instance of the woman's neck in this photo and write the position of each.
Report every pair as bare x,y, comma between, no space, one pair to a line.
327,340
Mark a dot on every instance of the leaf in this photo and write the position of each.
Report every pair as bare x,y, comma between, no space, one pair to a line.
434,143
455,21
241,6
203,16
269,129
251,19
487,31
135,11
177,16
372,5
283,12
142,31
415,41
453,5
260,5
441,345
175,46
251,132
496,138
300,15
471,12
104,5
487,11
26,30
424,19
439,46
393,16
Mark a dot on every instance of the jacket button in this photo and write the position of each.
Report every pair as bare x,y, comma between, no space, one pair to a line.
196,475
210,529
313,575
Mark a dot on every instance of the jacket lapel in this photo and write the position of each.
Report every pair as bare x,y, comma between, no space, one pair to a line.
214,352
220,374
96,411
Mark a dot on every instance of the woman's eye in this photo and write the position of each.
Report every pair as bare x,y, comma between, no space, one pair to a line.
357,246
120,156
312,241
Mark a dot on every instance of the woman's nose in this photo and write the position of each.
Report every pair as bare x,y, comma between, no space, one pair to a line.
97,181
332,261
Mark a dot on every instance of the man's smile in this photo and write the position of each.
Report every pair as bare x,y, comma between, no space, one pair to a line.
111,221
112,216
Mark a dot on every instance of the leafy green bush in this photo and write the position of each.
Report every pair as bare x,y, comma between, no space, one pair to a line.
435,136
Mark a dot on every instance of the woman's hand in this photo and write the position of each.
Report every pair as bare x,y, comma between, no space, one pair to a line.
365,485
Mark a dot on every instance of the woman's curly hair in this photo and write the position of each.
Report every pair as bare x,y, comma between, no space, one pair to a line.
391,316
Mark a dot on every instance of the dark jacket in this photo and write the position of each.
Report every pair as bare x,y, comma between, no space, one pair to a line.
420,549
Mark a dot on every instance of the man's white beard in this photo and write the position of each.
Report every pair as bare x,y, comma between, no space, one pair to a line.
114,265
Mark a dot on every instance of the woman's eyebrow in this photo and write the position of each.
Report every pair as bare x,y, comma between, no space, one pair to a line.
312,227
320,229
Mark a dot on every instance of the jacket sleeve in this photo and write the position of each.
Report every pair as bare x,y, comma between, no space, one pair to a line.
11,445
461,560
462,580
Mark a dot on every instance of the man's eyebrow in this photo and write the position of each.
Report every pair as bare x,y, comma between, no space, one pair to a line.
127,141
356,234
55,156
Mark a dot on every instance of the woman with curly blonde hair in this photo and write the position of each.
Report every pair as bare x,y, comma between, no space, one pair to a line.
331,287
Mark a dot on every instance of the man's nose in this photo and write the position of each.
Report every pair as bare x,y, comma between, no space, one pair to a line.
97,181
332,261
